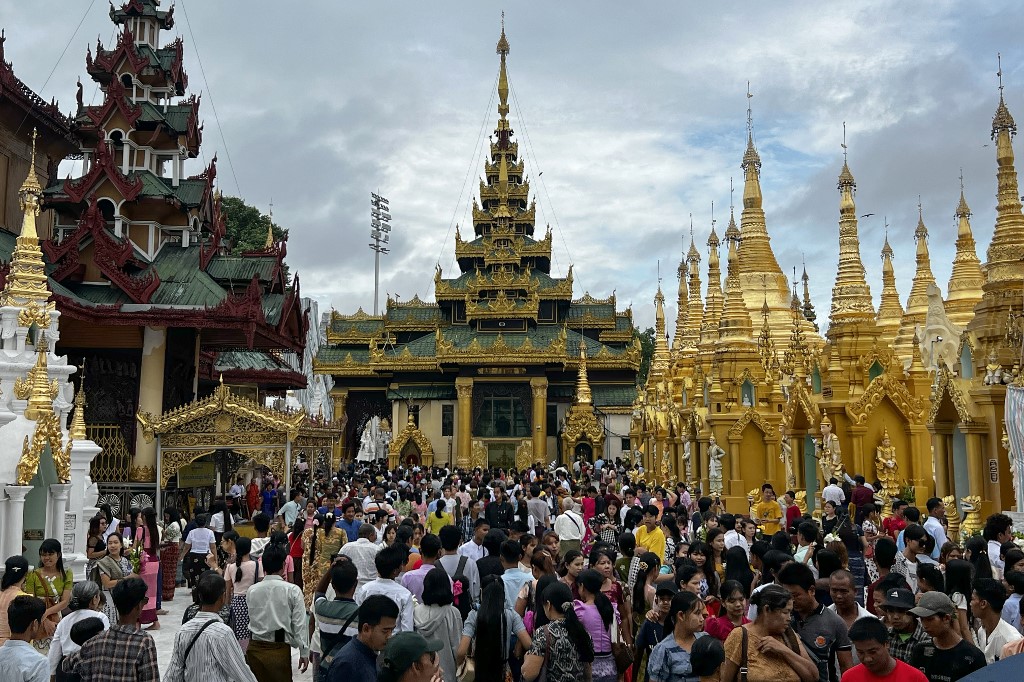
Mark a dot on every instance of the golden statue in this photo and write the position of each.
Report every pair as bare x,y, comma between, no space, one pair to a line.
972,523
952,518
478,458
831,458
801,501
887,468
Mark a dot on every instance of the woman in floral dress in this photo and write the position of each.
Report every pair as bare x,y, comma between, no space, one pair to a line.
319,545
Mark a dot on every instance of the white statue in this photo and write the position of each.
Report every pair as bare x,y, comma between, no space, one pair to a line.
687,467
369,441
715,455
786,455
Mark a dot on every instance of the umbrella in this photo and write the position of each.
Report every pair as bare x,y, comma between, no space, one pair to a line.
999,671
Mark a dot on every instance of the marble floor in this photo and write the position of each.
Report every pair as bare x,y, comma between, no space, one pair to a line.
170,623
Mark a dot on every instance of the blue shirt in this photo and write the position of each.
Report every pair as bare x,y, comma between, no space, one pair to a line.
514,579
20,661
355,661
351,529
1011,611
669,662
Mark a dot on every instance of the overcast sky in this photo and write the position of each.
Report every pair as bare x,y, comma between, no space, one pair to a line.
636,117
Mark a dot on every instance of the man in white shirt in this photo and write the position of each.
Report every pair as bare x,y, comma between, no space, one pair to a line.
733,538
450,539
629,501
844,601
205,648
998,529
277,620
390,561
474,549
237,490
936,513
363,552
833,493
987,601
18,658
569,526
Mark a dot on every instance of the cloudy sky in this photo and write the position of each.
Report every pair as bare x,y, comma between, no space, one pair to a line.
635,114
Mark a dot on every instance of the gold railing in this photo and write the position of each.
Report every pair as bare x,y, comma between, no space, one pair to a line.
115,461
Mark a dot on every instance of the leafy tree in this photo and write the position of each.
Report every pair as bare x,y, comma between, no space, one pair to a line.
247,226
646,353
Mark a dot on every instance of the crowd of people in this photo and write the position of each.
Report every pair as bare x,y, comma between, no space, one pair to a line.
566,575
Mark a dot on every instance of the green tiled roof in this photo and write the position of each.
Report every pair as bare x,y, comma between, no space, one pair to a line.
422,393
160,58
182,282
272,304
236,269
414,314
91,294
189,192
613,395
332,354
176,116
423,347
600,310
248,360
362,326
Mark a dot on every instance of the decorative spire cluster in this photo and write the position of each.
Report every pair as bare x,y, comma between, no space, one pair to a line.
735,322
715,300
964,289
42,391
77,431
661,359
890,309
583,395
916,311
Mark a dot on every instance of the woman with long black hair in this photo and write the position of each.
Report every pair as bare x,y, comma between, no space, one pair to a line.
497,631
737,567
597,614
147,537
240,576
562,647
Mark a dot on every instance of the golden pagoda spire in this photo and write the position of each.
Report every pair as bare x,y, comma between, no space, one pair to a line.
735,322
756,258
851,295
41,390
794,303
890,309
714,302
1007,246
503,50
916,311
808,308
583,396
270,228
682,296
691,334
78,430
661,358
26,283
964,290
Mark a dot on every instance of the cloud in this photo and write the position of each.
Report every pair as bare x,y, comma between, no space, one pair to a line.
634,113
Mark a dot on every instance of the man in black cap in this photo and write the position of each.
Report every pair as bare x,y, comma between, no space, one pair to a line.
410,657
949,656
905,632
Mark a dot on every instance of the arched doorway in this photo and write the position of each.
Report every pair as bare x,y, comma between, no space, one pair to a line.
411,454
584,451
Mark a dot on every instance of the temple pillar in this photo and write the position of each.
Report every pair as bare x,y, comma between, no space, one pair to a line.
464,390
943,473
151,400
539,387
340,397
58,505
80,508
856,443
14,527
977,465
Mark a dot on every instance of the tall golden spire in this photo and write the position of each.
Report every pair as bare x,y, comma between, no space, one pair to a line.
78,430
1007,246
735,323
964,290
691,334
715,301
756,258
682,297
851,295
26,284
41,390
916,311
890,309
661,359
808,308
270,228
583,396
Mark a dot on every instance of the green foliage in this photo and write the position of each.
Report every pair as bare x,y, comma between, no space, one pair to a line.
646,353
247,226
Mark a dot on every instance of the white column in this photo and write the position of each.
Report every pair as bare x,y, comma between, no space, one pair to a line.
175,171
80,510
288,467
15,518
58,505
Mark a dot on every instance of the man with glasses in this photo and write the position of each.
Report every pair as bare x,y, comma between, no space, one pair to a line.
907,560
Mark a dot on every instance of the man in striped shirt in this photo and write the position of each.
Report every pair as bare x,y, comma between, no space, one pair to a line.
205,649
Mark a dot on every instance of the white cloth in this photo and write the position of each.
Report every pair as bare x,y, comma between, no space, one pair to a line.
473,551
993,558
992,644
362,552
397,593
200,540
61,645
734,539
935,529
215,654
569,526
833,493
20,661
217,522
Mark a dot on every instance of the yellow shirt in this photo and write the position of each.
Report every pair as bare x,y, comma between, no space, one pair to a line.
770,513
435,524
653,541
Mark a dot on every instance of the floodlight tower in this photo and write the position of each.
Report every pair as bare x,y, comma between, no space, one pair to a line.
380,229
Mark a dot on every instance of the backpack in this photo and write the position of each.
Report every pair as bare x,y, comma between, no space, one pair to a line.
460,588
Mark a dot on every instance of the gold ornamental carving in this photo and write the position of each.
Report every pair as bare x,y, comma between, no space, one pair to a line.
887,468
945,384
524,454
411,433
972,523
752,415
173,460
952,518
47,434
142,474
885,386
478,456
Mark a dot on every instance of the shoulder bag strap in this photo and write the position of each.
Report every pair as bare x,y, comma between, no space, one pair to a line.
743,655
188,649
459,569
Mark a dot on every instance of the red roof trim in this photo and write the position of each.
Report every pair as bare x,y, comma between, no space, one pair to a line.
103,165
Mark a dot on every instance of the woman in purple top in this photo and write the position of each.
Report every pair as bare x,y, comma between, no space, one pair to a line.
597,613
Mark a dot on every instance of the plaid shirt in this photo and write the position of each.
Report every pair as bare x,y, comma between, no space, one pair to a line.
121,654
903,650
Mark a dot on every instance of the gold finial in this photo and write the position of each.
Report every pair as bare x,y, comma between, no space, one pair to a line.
1002,121
751,159
583,395
42,391
78,429
270,228
27,284
503,50
844,143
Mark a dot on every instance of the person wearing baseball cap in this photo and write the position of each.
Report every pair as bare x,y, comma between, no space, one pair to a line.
653,631
949,656
409,657
905,631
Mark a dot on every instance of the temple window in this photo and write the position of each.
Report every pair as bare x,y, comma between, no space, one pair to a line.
447,420
502,418
875,370
747,393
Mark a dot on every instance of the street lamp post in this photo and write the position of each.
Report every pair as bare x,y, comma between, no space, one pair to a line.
380,229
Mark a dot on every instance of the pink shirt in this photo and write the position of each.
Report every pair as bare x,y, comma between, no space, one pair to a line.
591,619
